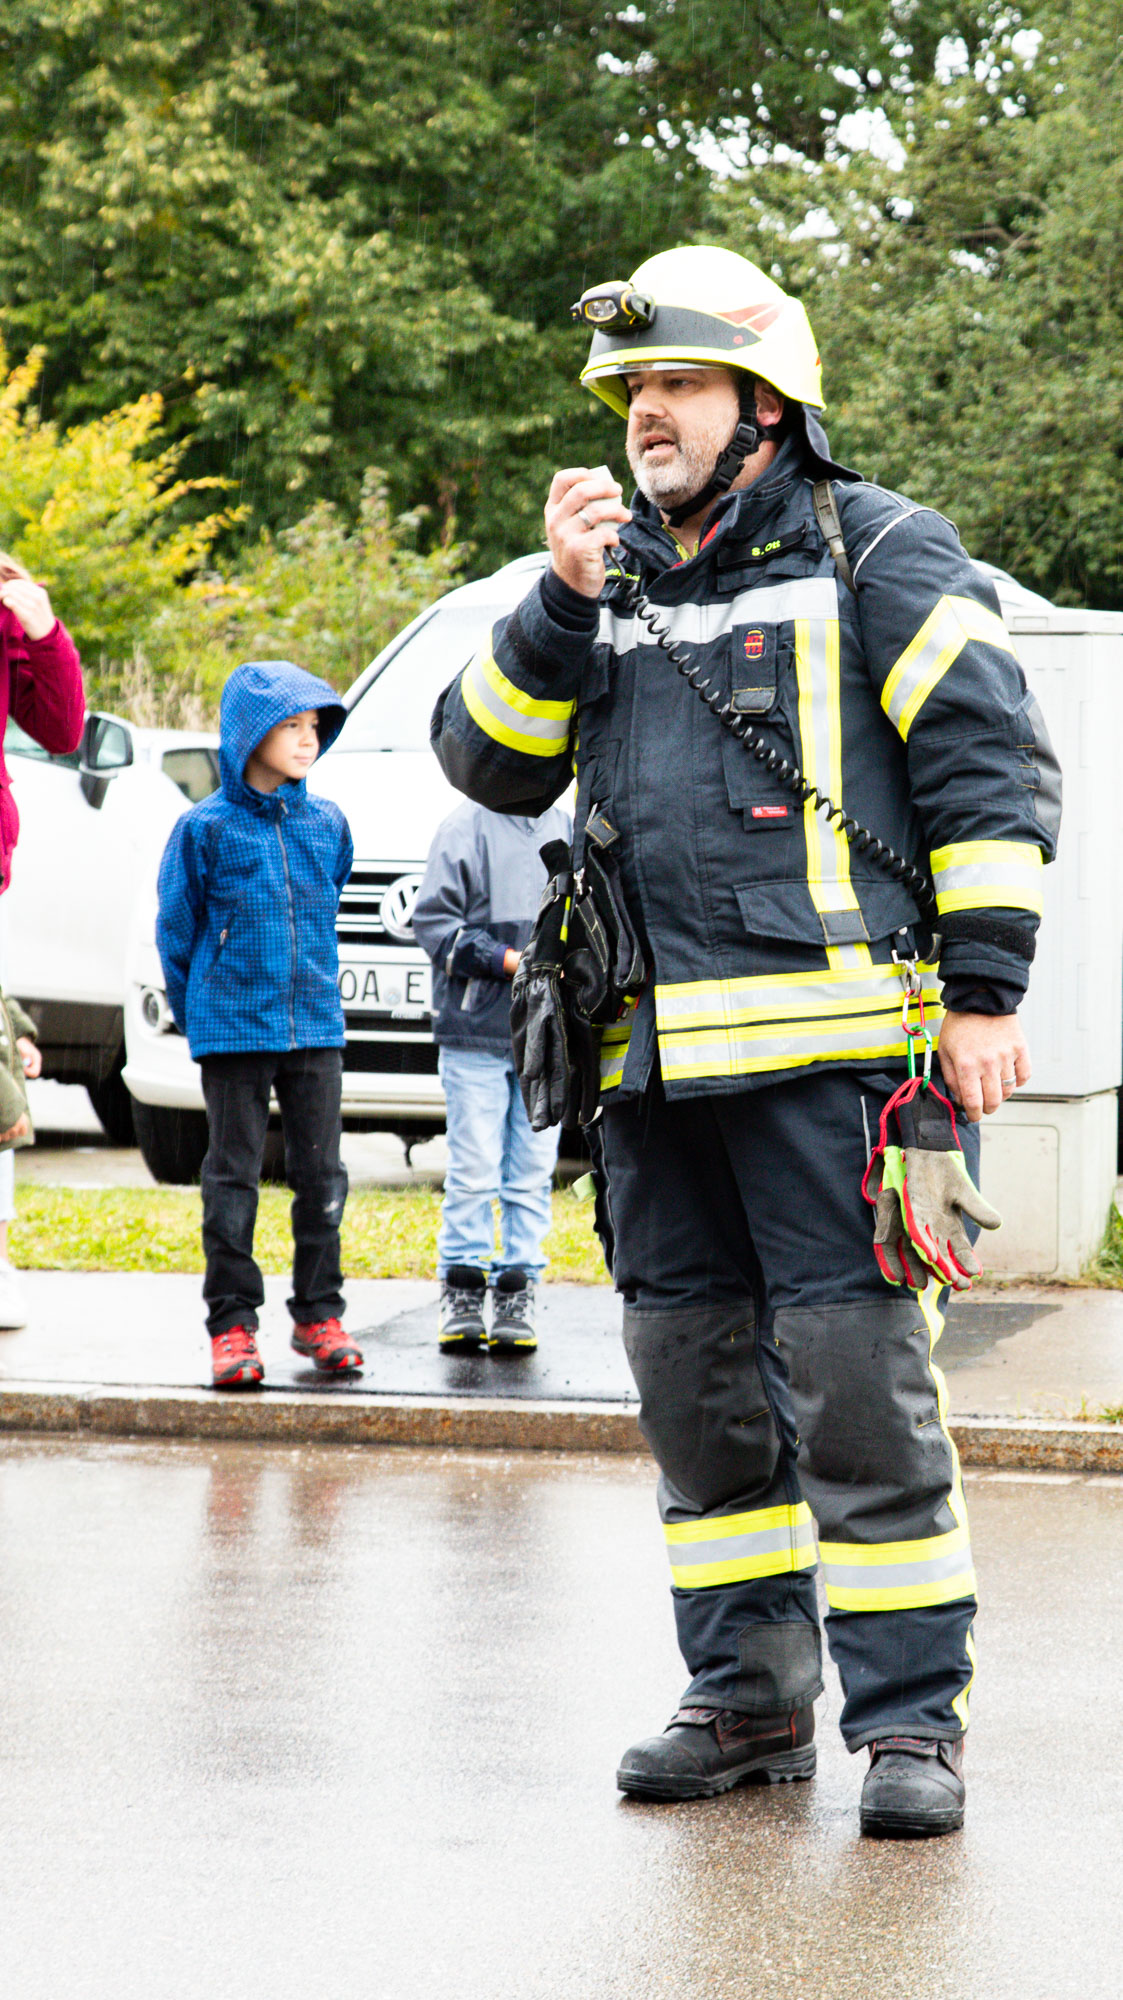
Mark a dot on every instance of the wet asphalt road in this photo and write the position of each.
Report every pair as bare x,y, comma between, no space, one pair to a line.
344,1723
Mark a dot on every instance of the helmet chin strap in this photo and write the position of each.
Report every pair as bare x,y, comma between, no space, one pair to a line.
746,439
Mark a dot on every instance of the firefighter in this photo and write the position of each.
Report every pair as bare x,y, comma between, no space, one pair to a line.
783,1380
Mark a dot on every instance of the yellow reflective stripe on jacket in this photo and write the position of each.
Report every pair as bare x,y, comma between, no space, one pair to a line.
613,1051
898,1576
820,736
734,1548
742,1027
947,629
785,996
510,716
988,874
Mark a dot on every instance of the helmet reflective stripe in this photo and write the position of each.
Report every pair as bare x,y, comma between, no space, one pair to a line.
715,309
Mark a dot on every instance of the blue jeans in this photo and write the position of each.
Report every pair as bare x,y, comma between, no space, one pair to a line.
492,1152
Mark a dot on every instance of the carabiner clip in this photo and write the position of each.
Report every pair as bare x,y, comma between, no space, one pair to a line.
922,1032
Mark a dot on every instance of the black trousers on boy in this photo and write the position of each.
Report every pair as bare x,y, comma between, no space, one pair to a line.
236,1088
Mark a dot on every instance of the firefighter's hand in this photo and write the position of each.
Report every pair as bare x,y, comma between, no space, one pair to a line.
19,1130
984,1058
584,514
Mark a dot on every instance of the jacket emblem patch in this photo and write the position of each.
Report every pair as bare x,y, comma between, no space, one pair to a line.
754,645
770,812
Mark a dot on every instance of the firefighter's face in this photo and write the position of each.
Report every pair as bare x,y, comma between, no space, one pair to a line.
678,424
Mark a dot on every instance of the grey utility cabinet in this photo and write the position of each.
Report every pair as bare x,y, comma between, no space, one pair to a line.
1049,1156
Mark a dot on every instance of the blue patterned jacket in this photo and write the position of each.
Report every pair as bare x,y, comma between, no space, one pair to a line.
249,887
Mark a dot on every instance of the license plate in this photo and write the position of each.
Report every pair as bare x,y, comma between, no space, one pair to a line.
381,987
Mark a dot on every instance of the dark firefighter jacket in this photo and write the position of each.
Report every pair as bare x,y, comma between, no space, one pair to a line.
770,936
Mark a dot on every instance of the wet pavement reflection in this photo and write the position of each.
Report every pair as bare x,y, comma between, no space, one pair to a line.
345,1721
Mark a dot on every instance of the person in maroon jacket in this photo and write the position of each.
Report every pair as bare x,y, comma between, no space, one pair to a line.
41,687
40,684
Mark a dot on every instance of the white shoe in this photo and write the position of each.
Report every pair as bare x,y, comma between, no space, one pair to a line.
13,1298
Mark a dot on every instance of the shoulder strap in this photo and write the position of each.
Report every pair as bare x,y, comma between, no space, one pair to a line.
830,527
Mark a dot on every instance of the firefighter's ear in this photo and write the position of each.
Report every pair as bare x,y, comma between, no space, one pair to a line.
769,406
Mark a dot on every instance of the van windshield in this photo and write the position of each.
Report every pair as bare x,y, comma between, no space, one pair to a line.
394,712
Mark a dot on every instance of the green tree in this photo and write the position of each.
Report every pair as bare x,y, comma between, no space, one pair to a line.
321,592
966,302
337,233
89,511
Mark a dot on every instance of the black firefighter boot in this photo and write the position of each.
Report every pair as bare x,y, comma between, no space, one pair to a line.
704,1751
914,1788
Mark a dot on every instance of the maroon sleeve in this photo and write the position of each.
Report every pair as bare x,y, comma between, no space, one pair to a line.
45,688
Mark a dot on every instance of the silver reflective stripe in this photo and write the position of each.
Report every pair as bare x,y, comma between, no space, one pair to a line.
763,999
906,515
1002,873
876,1034
946,639
896,1576
739,1548
700,624
547,729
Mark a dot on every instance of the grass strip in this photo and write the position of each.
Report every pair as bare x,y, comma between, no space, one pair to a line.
387,1232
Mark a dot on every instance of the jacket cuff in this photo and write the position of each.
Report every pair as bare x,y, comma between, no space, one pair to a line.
568,607
970,965
48,638
543,646
498,961
965,995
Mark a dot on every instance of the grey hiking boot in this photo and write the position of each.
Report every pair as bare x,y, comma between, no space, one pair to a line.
461,1328
914,1788
512,1313
704,1751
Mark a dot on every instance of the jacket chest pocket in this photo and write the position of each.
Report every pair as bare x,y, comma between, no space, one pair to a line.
758,678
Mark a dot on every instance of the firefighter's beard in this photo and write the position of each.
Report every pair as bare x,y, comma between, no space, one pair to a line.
673,480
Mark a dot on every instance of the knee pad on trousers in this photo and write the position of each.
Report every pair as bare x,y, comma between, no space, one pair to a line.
703,1408
872,1444
752,1646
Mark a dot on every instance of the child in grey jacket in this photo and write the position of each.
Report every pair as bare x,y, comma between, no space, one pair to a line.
473,915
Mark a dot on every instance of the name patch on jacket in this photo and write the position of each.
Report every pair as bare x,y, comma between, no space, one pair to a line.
770,812
764,551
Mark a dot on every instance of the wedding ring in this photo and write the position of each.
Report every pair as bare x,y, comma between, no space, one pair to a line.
1004,1080
582,516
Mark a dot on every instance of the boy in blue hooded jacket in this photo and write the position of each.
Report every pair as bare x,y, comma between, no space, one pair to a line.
249,888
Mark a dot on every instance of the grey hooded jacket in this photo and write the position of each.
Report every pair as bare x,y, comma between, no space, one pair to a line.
478,899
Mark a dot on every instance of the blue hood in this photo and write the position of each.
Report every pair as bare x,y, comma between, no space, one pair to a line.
256,697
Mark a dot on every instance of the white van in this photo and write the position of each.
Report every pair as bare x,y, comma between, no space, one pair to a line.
383,774
90,823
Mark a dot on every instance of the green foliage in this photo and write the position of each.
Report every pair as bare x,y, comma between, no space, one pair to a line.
341,233
322,593
89,510
969,323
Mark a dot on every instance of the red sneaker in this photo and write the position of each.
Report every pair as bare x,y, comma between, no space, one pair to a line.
235,1361
328,1347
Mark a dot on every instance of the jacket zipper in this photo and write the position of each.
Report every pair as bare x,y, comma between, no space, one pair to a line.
292,932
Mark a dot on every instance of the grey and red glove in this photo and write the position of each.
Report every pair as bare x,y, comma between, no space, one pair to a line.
920,1189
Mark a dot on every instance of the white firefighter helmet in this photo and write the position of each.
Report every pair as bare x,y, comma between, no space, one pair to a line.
703,308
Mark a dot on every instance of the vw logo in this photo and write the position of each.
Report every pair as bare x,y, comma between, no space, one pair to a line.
396,908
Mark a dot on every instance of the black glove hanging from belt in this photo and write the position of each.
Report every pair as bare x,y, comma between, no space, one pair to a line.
581,969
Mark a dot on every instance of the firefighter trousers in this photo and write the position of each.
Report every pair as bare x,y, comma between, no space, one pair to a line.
784,1385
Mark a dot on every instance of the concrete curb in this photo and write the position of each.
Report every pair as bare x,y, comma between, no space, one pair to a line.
475,1423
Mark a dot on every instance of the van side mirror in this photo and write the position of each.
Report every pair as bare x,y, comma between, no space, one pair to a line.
106,748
